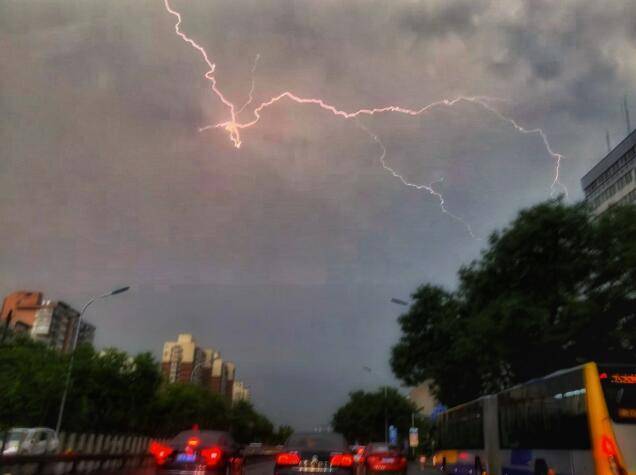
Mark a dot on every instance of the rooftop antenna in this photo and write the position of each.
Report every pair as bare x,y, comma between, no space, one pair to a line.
627,121
607,139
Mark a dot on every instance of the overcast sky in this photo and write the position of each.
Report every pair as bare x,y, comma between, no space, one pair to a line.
283,254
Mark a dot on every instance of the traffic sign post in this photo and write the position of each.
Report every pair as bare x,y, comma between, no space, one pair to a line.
393,435
414,439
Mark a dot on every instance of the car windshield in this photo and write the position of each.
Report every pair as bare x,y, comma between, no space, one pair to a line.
12,439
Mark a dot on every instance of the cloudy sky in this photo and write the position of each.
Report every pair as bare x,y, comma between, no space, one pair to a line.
283,254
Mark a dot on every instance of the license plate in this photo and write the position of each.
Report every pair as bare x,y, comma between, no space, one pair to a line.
388,460
186,458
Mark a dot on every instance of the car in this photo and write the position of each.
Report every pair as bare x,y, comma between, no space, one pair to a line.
199,451
315,452
382,458
29,441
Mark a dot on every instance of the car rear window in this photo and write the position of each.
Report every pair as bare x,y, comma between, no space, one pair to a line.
381,448
317,442
207,438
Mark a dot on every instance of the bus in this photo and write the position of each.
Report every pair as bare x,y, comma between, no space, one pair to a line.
578,421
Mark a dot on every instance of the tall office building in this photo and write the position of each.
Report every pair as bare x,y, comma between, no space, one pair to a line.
184,361
240,392
611,181
51,322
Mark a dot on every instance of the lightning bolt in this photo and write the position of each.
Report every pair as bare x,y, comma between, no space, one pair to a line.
233,126
417,186
250,97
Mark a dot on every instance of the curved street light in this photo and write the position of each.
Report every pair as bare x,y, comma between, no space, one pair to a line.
69,371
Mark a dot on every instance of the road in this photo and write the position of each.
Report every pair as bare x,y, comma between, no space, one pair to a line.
267,468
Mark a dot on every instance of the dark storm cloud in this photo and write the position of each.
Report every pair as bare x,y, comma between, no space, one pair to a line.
434,19
284,253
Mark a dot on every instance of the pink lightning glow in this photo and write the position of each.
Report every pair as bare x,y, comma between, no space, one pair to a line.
234,127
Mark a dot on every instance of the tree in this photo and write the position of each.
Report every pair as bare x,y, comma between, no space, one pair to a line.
248,425
30,376
552,290
109,392
180,406
281,435
362,418
112,392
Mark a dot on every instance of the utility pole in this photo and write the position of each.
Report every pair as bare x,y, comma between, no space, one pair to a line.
71,360
386,418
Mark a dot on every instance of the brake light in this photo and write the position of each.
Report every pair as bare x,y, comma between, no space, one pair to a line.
160,452
287,459
212,456
342,460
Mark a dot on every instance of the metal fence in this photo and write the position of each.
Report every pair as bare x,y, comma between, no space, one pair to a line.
90,453
82,453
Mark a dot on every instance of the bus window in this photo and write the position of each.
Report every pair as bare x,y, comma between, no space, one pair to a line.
549,413
461,427
619,388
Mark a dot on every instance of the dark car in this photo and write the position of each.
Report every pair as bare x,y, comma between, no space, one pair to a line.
315,452
382,458
201,452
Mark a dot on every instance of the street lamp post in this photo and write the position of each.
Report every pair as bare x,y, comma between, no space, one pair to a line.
69,370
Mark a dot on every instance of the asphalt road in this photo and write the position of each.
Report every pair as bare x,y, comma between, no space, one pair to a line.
267,468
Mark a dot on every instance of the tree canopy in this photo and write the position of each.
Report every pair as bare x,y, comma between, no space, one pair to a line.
112,392
554,289
362,418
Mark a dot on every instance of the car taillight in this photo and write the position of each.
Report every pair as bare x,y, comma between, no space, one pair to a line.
212,456
288,459
160,452
341,460
373,460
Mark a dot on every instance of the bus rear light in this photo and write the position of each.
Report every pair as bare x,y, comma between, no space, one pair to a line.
212,456
341,460
608,447
287,459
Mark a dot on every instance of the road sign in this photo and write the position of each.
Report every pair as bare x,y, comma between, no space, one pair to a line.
393,435
414,439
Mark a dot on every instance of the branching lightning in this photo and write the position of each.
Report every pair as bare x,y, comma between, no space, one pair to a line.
417,186
250,97
233,126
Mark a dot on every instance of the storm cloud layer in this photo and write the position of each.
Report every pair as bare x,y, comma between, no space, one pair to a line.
284,253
